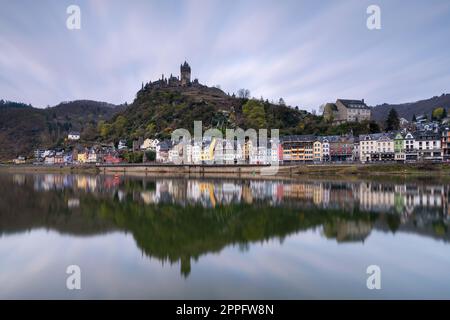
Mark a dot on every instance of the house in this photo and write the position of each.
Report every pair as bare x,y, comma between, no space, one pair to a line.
376,147
162,150
410,151
175,154
93,156
318,151
399,148
73,136
122,145
428,146
59,157
445,144
68,158
82,156
50,160
341,148
111,158
345,110
325,149
276,151
299,148
207,154
39,155
229,153
19,160
196,153
149,144
355,152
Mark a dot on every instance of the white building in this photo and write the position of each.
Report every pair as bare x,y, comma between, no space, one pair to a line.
149,144
73,136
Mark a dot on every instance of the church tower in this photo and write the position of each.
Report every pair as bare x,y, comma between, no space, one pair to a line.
185,71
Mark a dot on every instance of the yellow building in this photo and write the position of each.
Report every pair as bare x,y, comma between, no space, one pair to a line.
208,151
318,155
82,157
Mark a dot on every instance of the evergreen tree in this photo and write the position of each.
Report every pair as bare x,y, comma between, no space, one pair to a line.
392,121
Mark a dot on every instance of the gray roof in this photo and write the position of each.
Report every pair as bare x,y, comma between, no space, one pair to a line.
295,138
353,104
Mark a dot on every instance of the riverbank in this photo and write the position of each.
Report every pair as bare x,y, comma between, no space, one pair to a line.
25,168
390,170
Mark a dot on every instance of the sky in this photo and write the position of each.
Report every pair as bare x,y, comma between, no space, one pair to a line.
307,52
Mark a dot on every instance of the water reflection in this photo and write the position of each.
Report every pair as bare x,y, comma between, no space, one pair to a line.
179,220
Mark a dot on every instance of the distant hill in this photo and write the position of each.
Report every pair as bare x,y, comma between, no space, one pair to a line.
408,110
157,111
14,105
24,128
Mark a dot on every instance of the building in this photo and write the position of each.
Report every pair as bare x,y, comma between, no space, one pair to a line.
445,144
162,150
82,157
185,74
317,152
208,151
298,148
73,136
399,148
111,158
122,145
341,148
325,149
344,110
19,160
428,146
376,147
149,144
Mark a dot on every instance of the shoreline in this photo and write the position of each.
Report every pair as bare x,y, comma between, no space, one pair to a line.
291,172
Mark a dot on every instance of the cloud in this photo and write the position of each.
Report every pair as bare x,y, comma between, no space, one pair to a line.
306,52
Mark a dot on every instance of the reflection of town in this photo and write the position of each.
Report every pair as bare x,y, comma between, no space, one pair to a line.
179,220
403,198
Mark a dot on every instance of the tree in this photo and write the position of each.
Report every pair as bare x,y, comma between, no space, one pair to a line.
150,155
281,102
414,119
255,116
439,113
392,121
119,125
244,93
104,129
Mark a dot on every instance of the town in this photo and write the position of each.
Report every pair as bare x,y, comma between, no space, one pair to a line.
418,140
427,143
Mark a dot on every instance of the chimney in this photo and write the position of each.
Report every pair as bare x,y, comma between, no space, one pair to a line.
362,100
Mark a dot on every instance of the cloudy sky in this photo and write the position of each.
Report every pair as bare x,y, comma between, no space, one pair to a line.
308,52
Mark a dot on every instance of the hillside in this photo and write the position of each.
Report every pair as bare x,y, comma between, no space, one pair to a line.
408,110
157,111
24,128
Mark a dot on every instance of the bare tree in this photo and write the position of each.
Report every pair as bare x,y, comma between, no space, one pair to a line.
244,93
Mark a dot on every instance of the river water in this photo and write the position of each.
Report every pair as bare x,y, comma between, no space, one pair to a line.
200,238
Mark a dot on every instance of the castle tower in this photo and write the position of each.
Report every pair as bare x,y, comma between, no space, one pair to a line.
185,71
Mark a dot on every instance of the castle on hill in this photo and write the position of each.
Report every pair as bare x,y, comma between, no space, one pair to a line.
183,80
